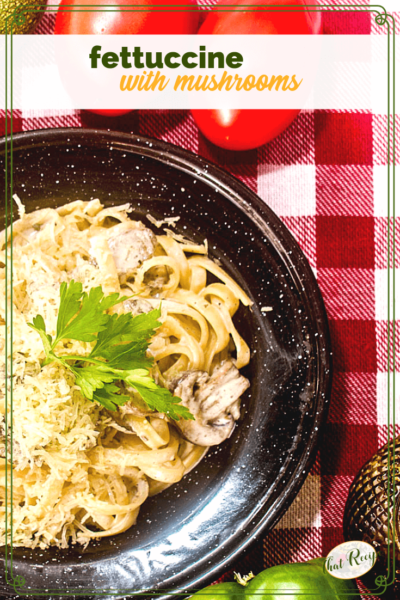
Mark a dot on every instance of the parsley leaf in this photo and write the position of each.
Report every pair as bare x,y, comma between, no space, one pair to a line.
81,316
70,303
91,378
126,328
157,398
110,396
119,353
161,400
40,326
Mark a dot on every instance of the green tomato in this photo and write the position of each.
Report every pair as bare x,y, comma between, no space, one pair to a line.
293,581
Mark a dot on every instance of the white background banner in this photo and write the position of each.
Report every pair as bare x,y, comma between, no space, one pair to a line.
57,72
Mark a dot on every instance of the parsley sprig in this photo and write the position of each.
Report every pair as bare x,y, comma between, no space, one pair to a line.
118,355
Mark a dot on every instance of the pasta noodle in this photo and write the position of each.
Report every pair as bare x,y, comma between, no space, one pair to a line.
81,472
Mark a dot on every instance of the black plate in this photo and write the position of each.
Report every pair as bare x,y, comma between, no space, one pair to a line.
192,532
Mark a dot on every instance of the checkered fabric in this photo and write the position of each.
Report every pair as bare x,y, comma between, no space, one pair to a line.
326,177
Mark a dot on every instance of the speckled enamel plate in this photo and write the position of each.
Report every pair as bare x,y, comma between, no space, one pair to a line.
191,533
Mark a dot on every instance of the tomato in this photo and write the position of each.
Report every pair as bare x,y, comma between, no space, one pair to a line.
246,129
297,581
298,21
109,112
125,21
242,129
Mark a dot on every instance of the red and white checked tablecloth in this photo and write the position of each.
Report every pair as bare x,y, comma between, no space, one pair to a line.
326,177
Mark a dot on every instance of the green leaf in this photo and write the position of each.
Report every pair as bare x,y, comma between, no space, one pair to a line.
157,398
91,378
118,355
110,397
40,326
38,323
81,316
112,300
88,321
130,356
144,326
70,303
126,328
111,336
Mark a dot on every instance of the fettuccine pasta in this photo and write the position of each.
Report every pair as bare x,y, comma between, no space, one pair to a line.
81,472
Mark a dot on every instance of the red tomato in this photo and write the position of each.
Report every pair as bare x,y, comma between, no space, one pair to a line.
174,21
109,112
242,129
247,129
284,22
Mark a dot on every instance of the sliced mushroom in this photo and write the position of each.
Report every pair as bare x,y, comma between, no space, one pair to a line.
156,278
130,244
214,402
